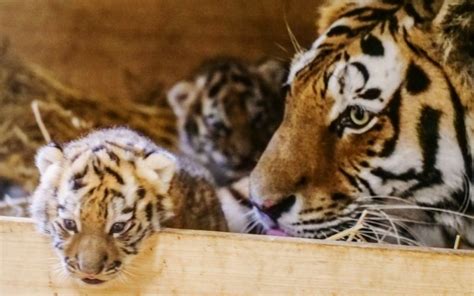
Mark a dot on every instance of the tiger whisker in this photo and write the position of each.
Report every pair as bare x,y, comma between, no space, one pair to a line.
394,227
334,230
389,230
54,259
399,237
126,275
366,234
387,233
250,213
369,221
416,207
405,220
467,195
398,223
260,229
59,271
280,46
246,215
121,277
400,220
378,238
463,207
388,197
250,225
296,45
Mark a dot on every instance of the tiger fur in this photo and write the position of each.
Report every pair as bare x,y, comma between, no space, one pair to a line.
226,113
378,120
102,196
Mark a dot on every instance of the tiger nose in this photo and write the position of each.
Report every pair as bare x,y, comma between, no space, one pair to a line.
274,209
92,260
92,267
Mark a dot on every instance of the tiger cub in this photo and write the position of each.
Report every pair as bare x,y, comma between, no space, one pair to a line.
102,196
227,112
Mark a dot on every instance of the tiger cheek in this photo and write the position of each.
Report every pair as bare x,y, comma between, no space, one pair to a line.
381,137
356,151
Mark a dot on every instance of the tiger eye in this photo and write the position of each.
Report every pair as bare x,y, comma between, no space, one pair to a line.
117,227
359,116
70,224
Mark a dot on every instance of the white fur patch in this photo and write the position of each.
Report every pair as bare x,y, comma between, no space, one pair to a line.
301,60
180,96
237,216
48,156
159,168
385,73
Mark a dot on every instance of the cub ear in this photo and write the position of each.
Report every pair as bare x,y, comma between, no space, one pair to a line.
180,96
47,156
273,72
159,167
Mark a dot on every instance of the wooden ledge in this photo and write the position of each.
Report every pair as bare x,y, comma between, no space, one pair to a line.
210,263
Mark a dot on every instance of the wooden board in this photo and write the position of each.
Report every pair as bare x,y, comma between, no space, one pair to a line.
128,48
207,263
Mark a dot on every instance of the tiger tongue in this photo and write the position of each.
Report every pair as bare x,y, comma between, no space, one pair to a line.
276,232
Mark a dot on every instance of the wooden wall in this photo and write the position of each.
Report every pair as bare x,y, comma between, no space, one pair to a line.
127,48
187,262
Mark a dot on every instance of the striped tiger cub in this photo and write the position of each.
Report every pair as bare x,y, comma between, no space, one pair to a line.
102,196
226,113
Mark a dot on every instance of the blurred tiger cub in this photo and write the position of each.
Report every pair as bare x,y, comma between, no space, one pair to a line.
102,196
227,112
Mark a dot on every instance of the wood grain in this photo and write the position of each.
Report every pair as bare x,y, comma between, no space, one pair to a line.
127,48
207,263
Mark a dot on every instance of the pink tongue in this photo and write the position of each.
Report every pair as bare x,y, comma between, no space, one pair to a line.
276,232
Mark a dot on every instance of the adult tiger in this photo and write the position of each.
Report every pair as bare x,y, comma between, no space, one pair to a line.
378,118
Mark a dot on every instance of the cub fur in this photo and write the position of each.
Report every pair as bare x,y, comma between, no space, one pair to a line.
227,112
102,196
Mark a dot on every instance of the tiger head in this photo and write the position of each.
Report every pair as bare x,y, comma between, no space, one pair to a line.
375,120
100,203
227,112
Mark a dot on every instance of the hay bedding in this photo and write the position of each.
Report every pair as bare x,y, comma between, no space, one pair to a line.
34,106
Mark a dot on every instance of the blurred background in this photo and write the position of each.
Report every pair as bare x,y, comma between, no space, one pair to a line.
67,67
113,47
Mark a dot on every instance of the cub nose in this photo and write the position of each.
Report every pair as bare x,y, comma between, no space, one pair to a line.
92,265
274,209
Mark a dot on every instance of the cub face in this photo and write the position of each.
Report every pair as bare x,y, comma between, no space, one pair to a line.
227,113
99,203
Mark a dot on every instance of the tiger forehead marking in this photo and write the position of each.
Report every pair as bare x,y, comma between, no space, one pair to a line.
374,121
361,79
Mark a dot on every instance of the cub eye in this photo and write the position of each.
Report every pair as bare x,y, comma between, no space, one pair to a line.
70,225
358,116
117,227
218,128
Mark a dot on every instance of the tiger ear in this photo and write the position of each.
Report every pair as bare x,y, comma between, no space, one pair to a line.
273,72
425,12
48,155
159,168
180,96
330,11
453,26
